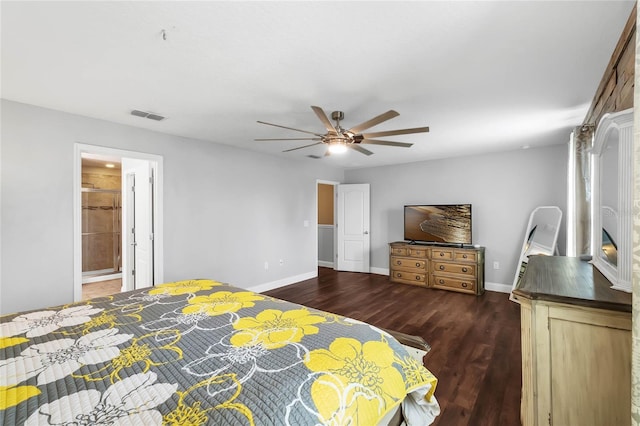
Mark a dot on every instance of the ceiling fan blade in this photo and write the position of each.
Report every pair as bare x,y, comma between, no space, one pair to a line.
374,121
388,143
289,139
290,128
300,147
325,120
359,149
395,132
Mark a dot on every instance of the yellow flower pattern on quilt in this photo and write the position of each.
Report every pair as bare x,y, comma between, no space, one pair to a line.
184,287
416,374
10,396
140,354
221,302
199,352
6,342
274,329
195,414
357,380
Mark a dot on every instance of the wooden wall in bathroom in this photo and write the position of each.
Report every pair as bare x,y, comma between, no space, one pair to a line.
615,92
101,178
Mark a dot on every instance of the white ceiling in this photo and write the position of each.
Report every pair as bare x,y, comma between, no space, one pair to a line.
484,76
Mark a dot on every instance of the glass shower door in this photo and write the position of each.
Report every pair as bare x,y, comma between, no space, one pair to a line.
101,232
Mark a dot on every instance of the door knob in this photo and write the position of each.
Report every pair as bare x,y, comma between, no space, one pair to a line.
366,232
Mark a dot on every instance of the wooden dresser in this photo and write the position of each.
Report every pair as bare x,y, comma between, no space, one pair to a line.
576,345
447,268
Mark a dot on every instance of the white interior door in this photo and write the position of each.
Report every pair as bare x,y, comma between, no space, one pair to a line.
140,208
353,239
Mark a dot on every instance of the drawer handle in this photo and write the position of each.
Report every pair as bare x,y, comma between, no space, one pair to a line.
464,269
441,281
417,265
417,277
464,285
398,275
464,256
442,267
398,262
441,254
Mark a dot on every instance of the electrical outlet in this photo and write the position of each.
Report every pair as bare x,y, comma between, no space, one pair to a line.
496,265
281,262
266,265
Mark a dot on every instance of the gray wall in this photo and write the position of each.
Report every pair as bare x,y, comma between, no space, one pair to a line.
503,188
325,243
226,210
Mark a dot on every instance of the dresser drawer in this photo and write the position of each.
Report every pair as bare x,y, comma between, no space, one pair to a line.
398,251
448,283
444,254
454,268
408,277
408,263
465,256
418,252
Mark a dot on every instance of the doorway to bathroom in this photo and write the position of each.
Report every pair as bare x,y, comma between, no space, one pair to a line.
118,244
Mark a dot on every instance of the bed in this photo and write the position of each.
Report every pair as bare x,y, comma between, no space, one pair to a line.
203,352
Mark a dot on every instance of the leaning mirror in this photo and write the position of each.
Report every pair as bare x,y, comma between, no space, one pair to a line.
611,190
540,238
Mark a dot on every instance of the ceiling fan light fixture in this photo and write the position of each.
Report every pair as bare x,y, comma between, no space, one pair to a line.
337,147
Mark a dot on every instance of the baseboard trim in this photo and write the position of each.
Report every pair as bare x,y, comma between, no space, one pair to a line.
497,287
379,271
260,288
325,264
283,282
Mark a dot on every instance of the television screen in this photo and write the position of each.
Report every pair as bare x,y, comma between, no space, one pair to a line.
443,223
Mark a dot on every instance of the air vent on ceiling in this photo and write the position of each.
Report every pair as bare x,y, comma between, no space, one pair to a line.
149,115
315,157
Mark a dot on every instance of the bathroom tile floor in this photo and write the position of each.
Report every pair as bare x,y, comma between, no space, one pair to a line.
101,288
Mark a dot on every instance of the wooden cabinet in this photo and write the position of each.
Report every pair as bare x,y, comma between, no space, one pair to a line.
447,268
576,345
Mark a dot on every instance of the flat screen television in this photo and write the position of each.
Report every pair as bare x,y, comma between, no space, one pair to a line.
438,223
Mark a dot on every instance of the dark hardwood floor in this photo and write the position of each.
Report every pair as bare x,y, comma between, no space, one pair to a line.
475,341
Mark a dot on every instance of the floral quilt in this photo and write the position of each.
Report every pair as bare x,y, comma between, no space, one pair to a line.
201,352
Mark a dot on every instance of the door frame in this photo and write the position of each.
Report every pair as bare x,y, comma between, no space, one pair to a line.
79,149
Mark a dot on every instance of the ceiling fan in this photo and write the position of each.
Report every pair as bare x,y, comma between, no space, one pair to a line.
339,140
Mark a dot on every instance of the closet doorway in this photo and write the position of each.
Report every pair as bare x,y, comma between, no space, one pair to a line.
325,196
118,244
